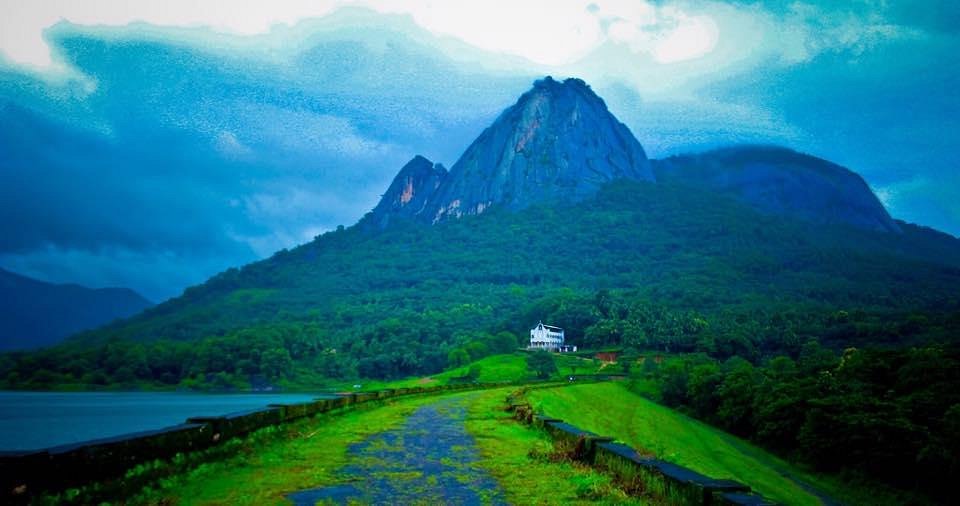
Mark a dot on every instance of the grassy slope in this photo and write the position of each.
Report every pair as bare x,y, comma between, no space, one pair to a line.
506,447
611,409
505,367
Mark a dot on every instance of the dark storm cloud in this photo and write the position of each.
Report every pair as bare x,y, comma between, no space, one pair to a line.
180,156
166,155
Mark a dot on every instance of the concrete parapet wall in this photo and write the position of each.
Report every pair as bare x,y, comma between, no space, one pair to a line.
634,471
26,474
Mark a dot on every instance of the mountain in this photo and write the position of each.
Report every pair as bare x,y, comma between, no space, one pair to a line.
558,143
559,216
781,181
35,314
410,192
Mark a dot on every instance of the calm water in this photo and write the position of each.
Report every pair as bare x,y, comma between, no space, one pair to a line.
30,420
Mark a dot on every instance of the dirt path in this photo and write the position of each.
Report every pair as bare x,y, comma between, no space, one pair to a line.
430,459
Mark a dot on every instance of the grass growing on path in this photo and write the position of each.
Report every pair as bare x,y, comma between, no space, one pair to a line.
309,454
612,410
506,447
313,453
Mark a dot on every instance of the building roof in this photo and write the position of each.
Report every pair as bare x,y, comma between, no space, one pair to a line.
550,327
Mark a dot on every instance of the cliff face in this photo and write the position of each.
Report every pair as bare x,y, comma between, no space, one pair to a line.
409,192
781,181
560,144
557,143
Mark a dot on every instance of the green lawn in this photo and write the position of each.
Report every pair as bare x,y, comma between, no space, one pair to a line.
611,409
509,367
504,367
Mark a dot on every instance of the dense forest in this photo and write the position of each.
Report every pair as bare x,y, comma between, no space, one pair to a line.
642,266
833,346
891,415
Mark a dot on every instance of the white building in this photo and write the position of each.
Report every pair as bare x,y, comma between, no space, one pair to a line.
549,338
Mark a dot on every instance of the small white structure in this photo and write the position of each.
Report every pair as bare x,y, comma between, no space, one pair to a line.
549,338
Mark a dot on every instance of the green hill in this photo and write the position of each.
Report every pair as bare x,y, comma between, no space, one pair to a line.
642,265
611,409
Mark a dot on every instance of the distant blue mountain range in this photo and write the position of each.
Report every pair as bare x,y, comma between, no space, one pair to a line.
34,314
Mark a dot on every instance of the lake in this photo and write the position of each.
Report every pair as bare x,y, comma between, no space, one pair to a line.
31,420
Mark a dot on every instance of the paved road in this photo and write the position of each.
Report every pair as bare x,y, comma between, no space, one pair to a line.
430,459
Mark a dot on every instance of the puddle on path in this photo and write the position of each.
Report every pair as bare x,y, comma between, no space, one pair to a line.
430,459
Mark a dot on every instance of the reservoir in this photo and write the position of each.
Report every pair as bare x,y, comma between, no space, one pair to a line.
33,420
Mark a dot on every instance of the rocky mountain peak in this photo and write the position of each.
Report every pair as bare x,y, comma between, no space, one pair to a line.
557,143
560,144
409,192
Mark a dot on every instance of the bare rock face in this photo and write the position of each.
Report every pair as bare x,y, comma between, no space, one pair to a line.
409,193
560,144
557,143
781,181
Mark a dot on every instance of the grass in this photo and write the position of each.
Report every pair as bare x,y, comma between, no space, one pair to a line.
503,367
310,454
507,367
610,409
510,449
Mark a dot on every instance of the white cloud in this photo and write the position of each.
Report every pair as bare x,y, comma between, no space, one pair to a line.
229,146
892,195
689,40
546,32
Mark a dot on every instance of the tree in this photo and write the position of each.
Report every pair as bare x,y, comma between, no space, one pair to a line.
736,393
503,342
276,363
473,373
541,363
674,379
702,389
458,357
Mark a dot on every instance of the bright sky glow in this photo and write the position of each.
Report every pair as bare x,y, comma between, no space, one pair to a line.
547,32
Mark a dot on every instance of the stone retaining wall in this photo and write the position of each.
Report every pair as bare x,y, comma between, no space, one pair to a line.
636,472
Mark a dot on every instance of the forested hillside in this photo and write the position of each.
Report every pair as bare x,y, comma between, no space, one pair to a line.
641,265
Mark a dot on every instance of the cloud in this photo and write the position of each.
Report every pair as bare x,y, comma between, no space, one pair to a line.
148,134
922,199
183,154
231,147
544,32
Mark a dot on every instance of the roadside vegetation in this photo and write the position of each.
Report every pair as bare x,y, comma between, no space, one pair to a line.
525,464
611,409
313,453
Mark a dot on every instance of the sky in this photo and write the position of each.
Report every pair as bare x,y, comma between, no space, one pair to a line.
152,144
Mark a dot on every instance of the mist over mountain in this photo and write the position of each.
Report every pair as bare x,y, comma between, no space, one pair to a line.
34,313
